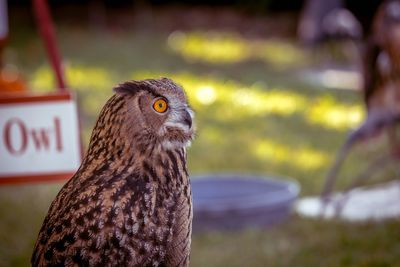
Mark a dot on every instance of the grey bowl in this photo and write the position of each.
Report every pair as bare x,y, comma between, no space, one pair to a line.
233,202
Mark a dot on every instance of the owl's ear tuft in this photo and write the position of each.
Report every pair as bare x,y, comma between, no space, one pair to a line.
129,87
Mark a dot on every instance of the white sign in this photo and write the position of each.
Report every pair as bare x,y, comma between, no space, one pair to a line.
39,138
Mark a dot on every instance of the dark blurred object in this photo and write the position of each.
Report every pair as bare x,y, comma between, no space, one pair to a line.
3,27
235,202
310,30
327,19
10,81
341,23
362,9
321,20
97,15
382,66
381,93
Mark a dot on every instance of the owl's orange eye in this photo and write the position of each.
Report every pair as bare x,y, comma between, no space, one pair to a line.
160,105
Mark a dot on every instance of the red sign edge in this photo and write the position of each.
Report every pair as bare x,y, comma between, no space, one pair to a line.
25,179
32,98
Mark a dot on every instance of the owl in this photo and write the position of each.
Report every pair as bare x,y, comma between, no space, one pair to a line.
129,203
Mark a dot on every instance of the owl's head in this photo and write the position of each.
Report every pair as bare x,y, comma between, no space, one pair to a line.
157,110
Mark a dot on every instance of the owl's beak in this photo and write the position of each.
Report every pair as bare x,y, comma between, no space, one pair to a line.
187,118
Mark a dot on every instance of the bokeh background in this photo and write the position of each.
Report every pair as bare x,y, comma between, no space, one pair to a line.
265,104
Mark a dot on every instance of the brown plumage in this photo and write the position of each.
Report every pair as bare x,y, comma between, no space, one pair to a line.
382,61
129,204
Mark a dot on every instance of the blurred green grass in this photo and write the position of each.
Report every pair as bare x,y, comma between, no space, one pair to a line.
253,116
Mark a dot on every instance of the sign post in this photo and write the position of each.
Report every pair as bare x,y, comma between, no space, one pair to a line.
39,134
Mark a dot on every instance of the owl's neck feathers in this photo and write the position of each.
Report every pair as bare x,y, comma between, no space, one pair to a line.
115,148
